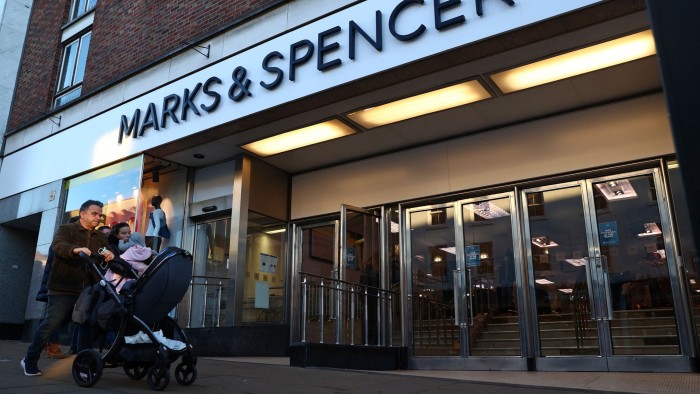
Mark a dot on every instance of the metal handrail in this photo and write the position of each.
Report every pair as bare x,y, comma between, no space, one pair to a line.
218,285
331,302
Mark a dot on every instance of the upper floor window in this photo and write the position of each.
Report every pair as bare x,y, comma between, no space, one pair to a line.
80,7
72,69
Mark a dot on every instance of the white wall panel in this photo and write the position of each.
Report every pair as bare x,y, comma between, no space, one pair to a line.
212,182
616,133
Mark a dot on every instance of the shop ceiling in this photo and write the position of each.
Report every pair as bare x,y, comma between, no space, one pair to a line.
608,20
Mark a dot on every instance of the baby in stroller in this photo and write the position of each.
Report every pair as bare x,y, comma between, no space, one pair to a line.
142,305
134,252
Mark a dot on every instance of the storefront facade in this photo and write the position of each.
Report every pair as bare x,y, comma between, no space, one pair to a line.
540,227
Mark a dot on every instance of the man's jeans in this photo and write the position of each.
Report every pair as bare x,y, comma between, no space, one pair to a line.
59,311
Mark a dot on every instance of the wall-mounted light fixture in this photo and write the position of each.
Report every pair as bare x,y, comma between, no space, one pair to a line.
299,138
581,61
422,104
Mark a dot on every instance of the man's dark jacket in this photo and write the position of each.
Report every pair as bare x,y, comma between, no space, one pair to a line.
70,274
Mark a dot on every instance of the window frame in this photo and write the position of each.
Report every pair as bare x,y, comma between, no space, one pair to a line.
76,13
72,86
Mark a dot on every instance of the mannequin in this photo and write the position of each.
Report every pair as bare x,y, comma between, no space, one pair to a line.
152,238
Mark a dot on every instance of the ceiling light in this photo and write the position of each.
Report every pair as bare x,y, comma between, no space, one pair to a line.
566,290
299,138
487,210
592,58
576,262
617,190
650,230
544,282
449,249
544,242
422,104
279,230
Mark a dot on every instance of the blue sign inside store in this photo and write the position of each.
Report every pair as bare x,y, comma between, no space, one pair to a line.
473,253
608,233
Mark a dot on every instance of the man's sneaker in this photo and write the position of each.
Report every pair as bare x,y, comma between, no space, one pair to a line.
30,368
53,350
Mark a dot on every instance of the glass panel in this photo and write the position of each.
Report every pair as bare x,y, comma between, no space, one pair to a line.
70,55
558,247
689,254
432,262
207,296
116,186
78,8
263,288
82,58
168,181
318,298
632,242
488,240
362,301
68,97
395,276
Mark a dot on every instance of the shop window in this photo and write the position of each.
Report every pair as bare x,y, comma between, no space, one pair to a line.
265,270
116,186
72,70
81,7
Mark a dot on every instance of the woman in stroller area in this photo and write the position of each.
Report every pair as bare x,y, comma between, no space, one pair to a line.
137,316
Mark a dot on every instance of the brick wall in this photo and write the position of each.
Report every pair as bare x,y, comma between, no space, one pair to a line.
126,35
40,61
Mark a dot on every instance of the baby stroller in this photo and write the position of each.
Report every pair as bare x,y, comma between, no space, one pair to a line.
139,311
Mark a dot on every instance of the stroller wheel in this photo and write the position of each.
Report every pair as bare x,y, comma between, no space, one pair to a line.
135,371
87,368
158,378
185,374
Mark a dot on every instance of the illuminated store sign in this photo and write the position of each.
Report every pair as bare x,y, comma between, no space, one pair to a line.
280,65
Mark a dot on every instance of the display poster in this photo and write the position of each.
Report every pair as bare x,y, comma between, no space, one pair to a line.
473,253
608,233
268,263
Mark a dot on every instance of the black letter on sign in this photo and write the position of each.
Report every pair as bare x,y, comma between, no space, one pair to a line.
150,119
293,61
480,8
169,110
395,14
126,128
439,7
322,49
354,28
274,70
188,101
211,93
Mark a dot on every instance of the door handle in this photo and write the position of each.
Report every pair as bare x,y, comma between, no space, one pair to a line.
606,287
590,271
457,289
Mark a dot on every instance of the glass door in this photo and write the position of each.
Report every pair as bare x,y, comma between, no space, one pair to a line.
208,291
491,276
430,254
464,295
361,293
314,295
600,278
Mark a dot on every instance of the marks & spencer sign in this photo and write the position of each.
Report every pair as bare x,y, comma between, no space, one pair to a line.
397,24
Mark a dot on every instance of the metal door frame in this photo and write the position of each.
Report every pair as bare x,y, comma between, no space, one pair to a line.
296,245
463,361
380,214
607,361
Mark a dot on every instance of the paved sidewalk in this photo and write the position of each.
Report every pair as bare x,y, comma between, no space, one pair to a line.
267,375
